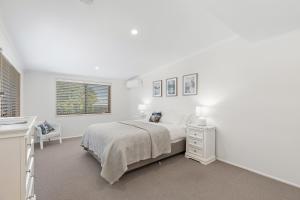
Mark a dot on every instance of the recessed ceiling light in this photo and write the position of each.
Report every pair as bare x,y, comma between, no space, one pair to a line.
134,31
89,2
97,68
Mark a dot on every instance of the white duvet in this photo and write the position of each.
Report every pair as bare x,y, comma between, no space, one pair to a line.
177,132
119,144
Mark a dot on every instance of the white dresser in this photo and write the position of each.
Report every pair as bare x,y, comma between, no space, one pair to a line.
17,158
200,143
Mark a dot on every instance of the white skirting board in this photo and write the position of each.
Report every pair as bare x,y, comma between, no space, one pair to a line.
70,137
260,173
63,138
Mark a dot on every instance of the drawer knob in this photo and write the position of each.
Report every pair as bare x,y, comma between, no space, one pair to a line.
30,197
28,171
195,142
195,151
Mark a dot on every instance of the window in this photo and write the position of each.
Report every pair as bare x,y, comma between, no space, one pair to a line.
82,98
9,89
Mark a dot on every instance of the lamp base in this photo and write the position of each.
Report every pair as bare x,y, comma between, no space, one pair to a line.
202,122
143,115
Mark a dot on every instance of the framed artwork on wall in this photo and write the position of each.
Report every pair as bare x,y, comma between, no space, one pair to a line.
190,84
157,88
171,87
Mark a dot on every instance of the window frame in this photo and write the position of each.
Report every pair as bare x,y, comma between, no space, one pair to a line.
85,82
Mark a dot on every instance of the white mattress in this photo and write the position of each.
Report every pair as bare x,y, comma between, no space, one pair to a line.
177,132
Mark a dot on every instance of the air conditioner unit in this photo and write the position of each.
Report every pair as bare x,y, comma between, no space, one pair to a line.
135,83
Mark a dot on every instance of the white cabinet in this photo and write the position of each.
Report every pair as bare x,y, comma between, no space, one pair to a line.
17,158
200,143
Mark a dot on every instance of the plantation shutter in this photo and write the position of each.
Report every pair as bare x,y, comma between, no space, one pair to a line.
9,89
97,98
82,98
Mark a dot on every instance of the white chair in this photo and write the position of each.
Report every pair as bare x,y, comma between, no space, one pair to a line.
53,134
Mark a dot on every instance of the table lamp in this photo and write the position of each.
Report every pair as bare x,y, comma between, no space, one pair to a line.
142,108
201,113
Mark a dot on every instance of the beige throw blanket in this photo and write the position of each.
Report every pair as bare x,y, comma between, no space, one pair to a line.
119,144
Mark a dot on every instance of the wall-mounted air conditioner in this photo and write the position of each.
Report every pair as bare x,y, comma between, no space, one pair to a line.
135,83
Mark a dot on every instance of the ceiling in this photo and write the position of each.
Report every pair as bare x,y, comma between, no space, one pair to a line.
257,20
67,36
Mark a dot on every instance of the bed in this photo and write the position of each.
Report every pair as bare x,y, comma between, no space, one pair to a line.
124,146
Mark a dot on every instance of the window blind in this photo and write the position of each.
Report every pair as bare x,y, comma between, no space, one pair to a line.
9,89
82,98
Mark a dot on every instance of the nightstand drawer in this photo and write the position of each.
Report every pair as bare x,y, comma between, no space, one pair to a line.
196,133
195,142
195,151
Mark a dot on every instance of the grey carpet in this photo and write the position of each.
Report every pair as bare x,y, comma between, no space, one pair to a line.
66,172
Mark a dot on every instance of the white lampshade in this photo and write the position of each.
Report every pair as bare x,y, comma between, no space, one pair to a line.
141,107
201,111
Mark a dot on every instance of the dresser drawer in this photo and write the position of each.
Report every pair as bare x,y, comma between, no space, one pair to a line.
29,143
29,154
27,180
195,151
30,164
29,136
195,142
196,133
29,189
29,172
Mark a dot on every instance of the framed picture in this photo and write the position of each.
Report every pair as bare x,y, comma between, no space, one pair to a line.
190,84
171,87
157,88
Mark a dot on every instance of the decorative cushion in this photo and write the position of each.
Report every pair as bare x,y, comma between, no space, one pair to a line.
155,117
46,128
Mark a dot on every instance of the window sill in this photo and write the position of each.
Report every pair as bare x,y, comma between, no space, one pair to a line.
82,115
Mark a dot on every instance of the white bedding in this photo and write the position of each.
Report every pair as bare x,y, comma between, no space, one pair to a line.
177,132
119,144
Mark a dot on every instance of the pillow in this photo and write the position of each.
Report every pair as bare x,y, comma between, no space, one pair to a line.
155,117
46,128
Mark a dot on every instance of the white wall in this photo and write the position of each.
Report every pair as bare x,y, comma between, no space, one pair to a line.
8,48
40,100
9,51
253,91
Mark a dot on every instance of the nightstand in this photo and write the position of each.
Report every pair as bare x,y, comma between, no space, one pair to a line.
200,143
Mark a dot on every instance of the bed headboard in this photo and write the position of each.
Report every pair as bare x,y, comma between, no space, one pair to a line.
173,117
